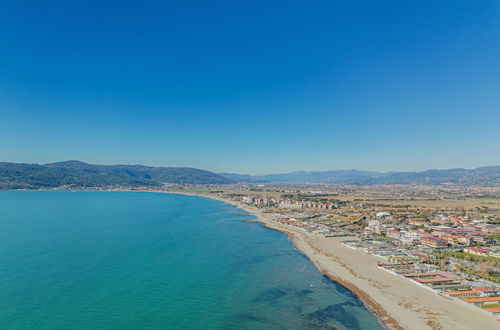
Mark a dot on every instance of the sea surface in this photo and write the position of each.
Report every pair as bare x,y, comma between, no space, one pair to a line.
124,260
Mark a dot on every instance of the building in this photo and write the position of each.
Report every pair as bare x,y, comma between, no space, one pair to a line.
410,236
477,251
392,233
431,278
374,226
382,215
464,240
462,294
482,300
494,310
486,292
247,200
418,222
290,205
402,259
433,241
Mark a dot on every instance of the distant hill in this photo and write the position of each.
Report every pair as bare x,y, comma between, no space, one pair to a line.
481,176
340,176
79,174
245,178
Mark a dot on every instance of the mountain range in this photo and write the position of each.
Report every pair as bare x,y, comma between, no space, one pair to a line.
481,176
79,175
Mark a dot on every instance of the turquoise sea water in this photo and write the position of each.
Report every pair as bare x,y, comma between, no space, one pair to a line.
122,260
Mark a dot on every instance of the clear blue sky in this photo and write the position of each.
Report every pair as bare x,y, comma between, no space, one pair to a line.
252,86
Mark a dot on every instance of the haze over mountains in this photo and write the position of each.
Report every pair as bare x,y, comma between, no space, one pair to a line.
482,176
82,175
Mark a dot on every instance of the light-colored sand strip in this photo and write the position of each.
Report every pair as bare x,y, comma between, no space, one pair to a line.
398,302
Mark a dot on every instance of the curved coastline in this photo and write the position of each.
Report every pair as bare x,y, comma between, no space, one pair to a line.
384,318
146,251
397,302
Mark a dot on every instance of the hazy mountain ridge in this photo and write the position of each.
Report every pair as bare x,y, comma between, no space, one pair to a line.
245,178
339,176
482,176
80,174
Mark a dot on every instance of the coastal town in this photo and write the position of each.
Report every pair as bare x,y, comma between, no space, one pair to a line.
443,239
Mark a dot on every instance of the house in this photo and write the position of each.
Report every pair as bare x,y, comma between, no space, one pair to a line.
485,292
418,222
402,259
392,233
462,294
484,240
433,241
482,300
494,310
382,215
425,258
450,238
410,236
477,251
464,240
248,200
374,226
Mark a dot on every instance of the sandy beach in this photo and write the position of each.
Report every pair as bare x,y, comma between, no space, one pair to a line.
399,303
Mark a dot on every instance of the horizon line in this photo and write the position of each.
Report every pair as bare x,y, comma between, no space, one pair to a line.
262,174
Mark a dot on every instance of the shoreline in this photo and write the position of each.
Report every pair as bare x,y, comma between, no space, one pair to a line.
384,318
397,302
369,303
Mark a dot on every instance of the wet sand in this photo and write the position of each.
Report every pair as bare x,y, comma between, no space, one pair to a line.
399,303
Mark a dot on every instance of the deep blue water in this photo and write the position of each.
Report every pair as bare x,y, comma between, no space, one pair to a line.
122,260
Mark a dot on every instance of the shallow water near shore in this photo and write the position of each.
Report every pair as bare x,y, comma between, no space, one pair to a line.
123,260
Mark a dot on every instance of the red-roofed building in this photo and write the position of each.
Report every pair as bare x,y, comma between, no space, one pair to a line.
462,294
477,251
494,310
482,300
485,292
434,241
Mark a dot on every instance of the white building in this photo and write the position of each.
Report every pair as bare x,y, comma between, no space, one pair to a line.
383,214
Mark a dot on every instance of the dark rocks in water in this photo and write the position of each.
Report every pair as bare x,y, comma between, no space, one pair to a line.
322,318
343,291
303,293
270,296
